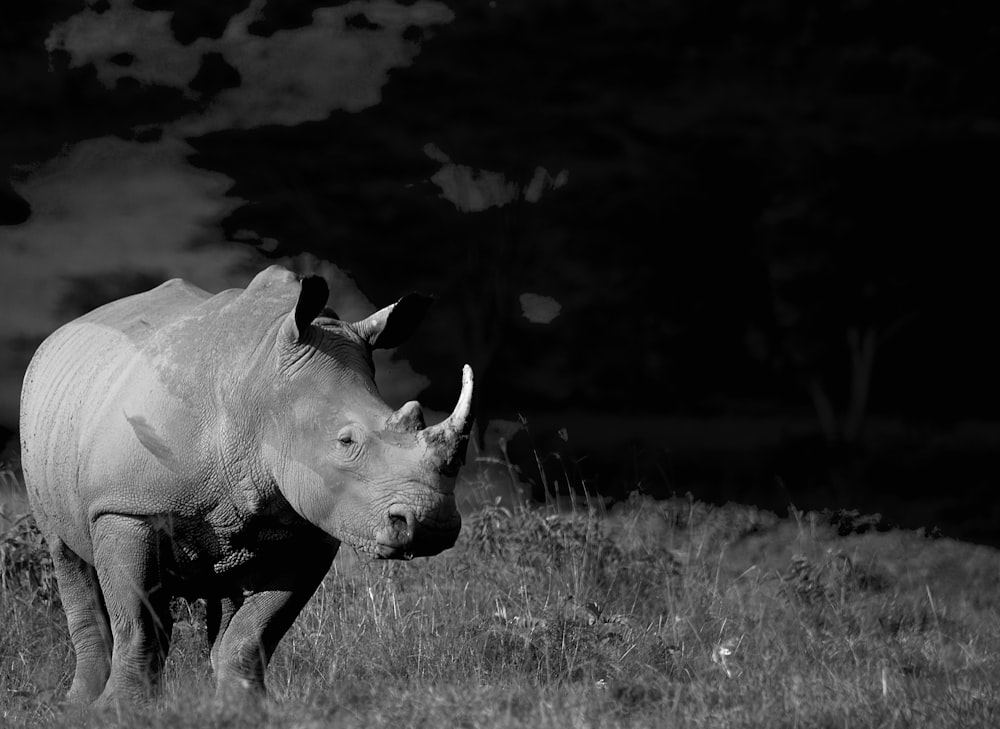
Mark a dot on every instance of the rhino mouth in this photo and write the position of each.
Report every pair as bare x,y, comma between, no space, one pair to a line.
388,551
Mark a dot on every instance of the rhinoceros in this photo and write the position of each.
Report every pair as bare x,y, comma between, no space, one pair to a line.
178,443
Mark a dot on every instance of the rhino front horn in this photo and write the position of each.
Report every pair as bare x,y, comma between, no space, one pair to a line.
448,439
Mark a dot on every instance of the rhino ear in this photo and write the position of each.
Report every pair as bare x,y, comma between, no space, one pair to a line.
311,303
391,326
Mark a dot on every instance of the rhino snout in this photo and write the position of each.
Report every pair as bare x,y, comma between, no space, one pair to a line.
408,534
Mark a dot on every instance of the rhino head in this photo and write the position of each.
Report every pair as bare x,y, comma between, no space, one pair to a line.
369,476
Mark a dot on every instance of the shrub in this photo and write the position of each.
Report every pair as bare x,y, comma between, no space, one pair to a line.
25,563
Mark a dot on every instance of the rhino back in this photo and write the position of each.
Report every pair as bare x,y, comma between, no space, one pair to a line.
141,315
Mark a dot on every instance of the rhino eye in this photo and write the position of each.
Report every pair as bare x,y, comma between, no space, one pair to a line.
346,437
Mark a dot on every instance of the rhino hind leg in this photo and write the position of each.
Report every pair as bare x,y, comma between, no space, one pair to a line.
87,619
127,556
250,629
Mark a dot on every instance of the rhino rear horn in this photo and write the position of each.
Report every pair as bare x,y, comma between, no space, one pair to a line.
391,326
408,419
313,296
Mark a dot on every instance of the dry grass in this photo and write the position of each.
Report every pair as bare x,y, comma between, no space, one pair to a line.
661,614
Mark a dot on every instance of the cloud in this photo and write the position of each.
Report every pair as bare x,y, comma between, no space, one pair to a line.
539,309
542,179
289,77
107,203
472,191
95,38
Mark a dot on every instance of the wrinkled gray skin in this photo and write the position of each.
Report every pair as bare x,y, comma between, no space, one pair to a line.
179,443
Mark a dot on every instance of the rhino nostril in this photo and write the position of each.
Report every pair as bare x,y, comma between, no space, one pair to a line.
401,519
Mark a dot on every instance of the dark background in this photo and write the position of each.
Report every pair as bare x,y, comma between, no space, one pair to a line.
772,253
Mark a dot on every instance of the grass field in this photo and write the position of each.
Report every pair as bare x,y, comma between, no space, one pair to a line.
661,614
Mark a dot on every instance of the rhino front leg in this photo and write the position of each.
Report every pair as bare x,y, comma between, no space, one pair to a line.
244,646
87,620
219,613
127,557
